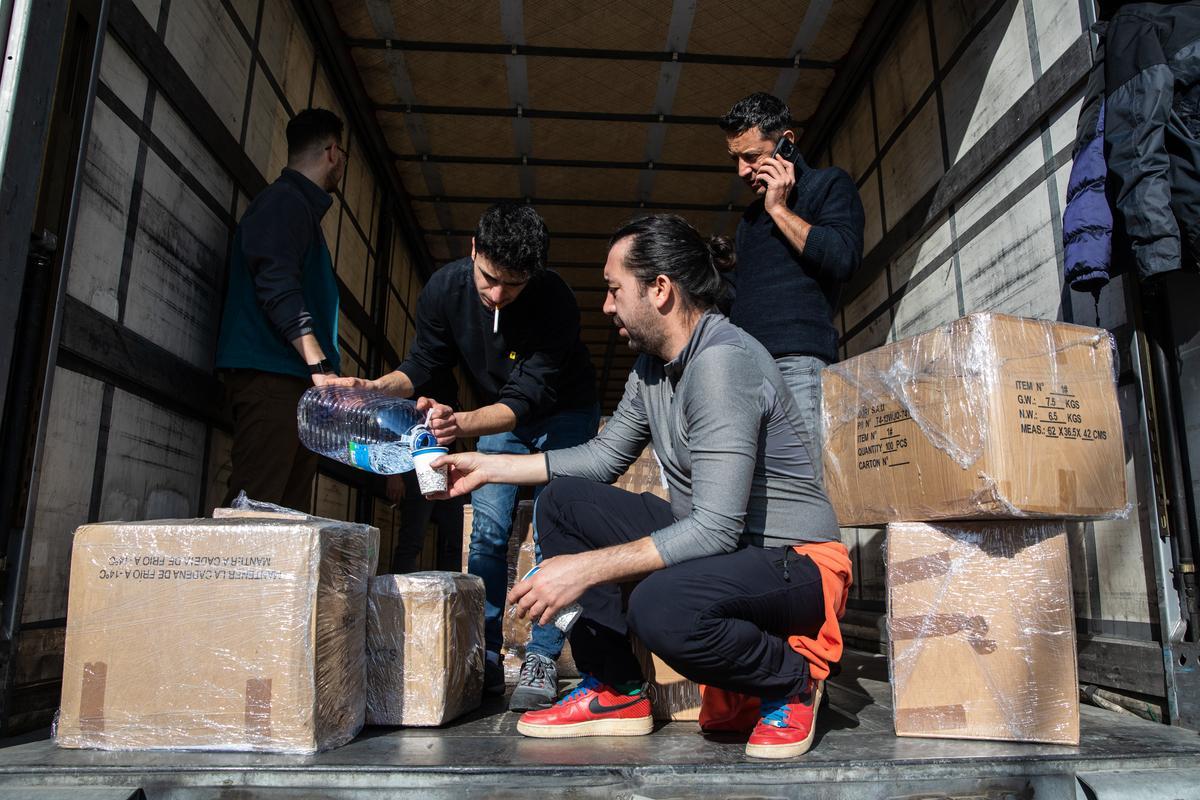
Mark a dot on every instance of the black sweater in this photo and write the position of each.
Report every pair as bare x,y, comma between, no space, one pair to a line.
786,299
536,365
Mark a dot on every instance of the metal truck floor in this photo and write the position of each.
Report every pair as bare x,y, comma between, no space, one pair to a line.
856,755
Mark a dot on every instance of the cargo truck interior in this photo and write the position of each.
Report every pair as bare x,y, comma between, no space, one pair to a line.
133,134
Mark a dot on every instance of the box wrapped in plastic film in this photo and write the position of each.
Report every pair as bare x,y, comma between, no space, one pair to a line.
987,416
982,631
424,648
217,634
672,696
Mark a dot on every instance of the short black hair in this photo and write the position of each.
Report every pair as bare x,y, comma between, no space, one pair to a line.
666,244
514,238
312,127
760,110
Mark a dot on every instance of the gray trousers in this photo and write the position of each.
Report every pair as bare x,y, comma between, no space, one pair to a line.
802,374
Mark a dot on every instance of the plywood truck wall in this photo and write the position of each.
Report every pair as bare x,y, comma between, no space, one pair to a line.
189,121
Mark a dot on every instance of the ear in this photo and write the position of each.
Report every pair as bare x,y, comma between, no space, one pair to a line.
660,291
472,248
791,135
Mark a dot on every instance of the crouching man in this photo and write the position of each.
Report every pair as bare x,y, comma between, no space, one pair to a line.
738,581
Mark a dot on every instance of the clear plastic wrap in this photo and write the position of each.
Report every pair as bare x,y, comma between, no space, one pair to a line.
424,648
982,631
238,633
986,416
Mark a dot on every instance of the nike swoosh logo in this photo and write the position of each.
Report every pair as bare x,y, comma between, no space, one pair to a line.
596,707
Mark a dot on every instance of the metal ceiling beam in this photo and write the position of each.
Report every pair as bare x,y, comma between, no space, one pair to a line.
529,161
542,113
661,56
578,202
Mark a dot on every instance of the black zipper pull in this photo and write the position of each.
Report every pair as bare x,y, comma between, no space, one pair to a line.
786,553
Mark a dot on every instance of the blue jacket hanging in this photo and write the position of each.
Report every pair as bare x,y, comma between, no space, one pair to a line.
1087,218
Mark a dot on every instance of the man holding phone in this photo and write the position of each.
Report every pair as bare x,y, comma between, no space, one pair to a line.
797,245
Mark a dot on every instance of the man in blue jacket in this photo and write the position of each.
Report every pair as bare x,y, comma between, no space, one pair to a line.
279,326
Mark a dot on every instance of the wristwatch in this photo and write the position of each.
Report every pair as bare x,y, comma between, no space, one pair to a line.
322,367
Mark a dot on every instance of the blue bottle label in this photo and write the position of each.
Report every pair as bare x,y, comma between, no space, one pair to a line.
360,455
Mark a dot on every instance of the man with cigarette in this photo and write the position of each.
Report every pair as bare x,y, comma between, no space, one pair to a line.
513,327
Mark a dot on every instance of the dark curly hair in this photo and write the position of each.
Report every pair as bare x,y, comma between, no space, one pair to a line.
665,244
760,110
514,238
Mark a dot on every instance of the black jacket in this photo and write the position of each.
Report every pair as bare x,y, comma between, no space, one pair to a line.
536,365
1152,132
786,300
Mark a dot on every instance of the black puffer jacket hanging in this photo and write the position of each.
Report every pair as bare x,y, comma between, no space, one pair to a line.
1152,132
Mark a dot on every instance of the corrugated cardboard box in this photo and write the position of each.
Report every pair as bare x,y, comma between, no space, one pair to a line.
982,631
988,416
672,696
424,648
222,634
644,475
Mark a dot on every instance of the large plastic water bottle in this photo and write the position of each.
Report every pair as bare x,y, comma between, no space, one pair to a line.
363,428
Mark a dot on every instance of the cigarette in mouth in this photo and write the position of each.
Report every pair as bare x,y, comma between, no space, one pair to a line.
496,321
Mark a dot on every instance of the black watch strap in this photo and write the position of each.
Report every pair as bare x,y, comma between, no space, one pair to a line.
322,367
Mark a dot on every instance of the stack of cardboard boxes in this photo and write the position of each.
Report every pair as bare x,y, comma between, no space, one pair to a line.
1012,424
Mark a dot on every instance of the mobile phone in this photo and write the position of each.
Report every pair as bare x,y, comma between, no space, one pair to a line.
786,149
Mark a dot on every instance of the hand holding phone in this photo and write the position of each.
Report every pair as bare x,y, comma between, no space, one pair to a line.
782,176
786,149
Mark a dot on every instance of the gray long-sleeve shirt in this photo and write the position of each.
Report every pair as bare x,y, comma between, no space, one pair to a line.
726,430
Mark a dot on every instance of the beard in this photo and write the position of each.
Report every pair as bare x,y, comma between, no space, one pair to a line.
641,338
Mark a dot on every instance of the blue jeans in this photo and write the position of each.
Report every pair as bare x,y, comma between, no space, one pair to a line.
802,374
491,525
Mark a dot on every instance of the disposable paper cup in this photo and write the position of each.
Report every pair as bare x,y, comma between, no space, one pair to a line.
429,479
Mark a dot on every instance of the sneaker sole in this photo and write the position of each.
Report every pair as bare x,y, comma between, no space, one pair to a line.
633,726
796,748
529,702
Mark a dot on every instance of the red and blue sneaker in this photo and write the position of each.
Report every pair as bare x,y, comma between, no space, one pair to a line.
590,709
786,727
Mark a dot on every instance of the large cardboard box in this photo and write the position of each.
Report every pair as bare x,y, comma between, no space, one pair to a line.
424,648
672,696
217,634
982,631
987,416
644,475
